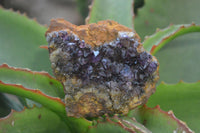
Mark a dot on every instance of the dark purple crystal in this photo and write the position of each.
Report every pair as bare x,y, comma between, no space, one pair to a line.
96,59
106,63
90,70
117,62
82,44
80,53
63,34
131,52
152,67
126,73
86,52
82,60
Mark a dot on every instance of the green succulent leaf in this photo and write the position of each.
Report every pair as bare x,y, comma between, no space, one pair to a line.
179,59
32,80
141,120
107,128
112,9
182,98
156,41
34,120
157,120
20,38
54,104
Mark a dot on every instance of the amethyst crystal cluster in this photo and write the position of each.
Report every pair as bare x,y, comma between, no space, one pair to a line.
117,61
110,78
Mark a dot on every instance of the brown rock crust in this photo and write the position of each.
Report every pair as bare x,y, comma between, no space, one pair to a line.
93,34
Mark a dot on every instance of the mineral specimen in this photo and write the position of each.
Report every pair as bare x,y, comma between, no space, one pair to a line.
103,67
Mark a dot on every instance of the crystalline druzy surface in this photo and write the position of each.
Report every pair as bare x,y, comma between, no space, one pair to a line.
102,66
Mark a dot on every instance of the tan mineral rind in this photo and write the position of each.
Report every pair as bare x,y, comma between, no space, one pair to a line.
93,34
95,100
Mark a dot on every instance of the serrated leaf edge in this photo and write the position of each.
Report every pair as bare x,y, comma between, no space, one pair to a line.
169,37
171,115
28,71
35,91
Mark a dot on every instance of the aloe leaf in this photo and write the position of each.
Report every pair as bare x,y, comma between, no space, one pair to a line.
159,14
182,98
156,41
34,120
107,128
52,103
55,104
157,120
152,120
32,80
178,59
20,39
112,9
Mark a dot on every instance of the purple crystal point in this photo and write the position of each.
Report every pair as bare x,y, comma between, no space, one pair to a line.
152,67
